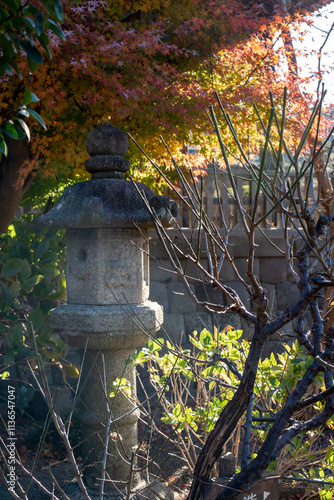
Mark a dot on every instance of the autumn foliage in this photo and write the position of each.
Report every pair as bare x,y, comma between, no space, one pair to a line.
151,67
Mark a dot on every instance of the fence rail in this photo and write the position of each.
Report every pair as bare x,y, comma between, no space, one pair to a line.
220,204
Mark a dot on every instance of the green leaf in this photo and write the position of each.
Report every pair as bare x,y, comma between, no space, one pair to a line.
32,65
12,266
154,346
41,250
29,23
3,257
37,117
46,306
27,96
44,41
195,343
5,293
16,336
55,8
36,317
72,370
39,20
25,271
31,51
15,289
205,337
49,258
24,112
11,4
7,47
15,67
34,97
31,282
24,127
56,29
22,251
3,145
13,131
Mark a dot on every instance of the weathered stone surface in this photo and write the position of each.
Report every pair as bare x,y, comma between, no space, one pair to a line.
271,295
286,333
105,163
192,270
197,321
107,140
153,491
241,291
107,203
108,200
159,293
227,465
106,266
179,299
238,243
228,318
108,314
205,293
227,273
247,328
107,327
160,270
157,491
173,328
287,294
274,346
273,270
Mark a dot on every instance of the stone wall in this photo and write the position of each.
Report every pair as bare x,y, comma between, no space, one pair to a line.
182,317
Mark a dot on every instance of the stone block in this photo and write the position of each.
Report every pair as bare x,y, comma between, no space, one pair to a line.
227,465
239,244
241,265
286,333
274,346
198,322
106,327
106,266
159,294
205,293
273,270
179,299
247,328
161,270
173,328
241,291
63,399
192,270
287,295
228,274
271,295
228,318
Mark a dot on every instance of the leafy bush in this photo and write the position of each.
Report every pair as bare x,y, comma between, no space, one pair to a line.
32,281
194,386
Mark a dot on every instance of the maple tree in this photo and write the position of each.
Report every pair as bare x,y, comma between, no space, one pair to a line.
150,67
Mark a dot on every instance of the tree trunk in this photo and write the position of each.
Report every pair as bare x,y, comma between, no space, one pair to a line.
14,180
226,423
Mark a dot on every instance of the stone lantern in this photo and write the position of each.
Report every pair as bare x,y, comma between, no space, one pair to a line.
108,310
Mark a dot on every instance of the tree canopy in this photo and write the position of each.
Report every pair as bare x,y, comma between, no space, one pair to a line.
149,67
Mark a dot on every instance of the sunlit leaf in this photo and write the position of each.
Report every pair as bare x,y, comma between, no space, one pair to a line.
37,117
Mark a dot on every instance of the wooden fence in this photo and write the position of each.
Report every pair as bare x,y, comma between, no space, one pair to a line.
220,204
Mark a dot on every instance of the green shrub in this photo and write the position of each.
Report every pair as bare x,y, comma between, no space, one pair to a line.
32,282
194,386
